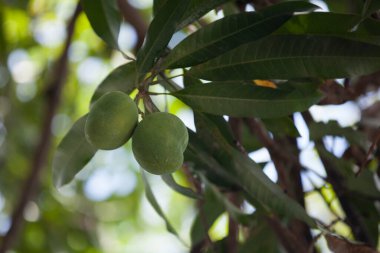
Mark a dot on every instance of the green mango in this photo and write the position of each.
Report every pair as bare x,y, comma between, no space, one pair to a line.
158,143
111,121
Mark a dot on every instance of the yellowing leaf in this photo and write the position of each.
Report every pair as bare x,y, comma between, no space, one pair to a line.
265,83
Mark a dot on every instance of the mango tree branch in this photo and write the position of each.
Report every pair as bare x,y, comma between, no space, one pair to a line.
54,87
134,18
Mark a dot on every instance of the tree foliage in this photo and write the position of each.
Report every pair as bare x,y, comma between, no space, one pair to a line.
255,76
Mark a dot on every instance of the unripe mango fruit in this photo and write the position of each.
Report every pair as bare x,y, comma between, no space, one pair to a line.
158,143
111,121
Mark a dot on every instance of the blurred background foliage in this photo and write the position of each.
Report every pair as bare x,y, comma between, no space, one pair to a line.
105,209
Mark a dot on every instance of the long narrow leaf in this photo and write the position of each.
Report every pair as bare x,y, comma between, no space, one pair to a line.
104,18
248,174
293,56
230,32
160,32
72,154
188,192
152,200
244,100
319,23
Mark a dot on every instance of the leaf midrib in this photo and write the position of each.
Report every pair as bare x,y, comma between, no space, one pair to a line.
225,37
204,67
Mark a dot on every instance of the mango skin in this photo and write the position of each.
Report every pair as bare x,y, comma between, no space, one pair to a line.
158,143
111,121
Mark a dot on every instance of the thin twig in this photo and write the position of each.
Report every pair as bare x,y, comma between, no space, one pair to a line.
369,153
54,87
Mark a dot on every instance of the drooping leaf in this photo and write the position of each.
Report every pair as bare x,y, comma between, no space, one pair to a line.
237,214
169,180
318,130
201,161
72,154
364,183
159,33
123,78
104,18
319,23
261,238
292,57
245,100
230,32
156,206
246,173
210,209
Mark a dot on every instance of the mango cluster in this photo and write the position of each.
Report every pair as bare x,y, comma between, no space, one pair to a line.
158,141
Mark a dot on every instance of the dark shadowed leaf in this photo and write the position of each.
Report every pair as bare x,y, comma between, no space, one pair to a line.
159,33
123,78
72,154
281,126
234,212
261,238
157,4
318,23
230,32
246,173
291,57
104,18
245,100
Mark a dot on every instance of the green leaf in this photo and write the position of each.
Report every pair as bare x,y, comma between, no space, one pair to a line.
230,32
104,18
246,173
236,213
291,57
364,183
261,238
156,206
319,23
159,33
200,160
157,4
123,78
210,209
188,192
318,130
281,126
197,9
246,100
72,154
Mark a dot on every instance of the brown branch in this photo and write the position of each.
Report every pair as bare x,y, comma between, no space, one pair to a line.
289,169
369,153
54,87
133,17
